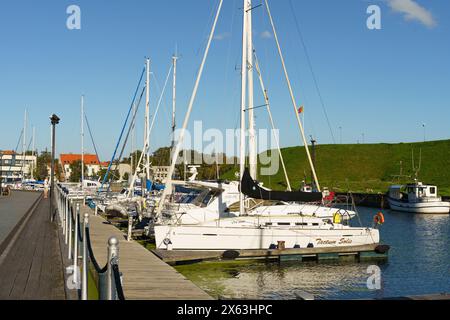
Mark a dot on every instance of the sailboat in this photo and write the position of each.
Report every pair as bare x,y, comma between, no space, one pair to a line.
222,230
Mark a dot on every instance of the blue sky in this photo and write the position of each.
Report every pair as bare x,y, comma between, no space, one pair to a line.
380,83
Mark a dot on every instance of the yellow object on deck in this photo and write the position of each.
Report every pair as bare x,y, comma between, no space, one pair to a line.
337,218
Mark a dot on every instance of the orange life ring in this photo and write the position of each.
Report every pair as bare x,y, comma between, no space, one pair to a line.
379,218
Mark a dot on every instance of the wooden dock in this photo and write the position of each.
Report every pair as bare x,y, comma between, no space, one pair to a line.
145,276
30,262
357,252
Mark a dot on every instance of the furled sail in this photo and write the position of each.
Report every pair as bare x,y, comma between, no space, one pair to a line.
251,189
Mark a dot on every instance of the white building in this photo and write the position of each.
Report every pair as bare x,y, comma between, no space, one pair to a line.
160,173
15,167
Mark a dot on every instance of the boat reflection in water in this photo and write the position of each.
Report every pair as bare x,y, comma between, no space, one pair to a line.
418,264
288,280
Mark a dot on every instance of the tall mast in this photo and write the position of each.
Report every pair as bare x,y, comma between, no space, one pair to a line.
174,97
82,141
33,153
147,120
133,129
243,104
252,152
24,143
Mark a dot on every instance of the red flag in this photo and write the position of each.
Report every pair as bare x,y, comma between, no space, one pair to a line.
300,110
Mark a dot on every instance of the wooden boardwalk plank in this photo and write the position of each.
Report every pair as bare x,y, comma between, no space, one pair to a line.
145,276
33,263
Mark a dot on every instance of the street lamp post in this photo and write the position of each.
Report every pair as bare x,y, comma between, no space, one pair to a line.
424,137
54,119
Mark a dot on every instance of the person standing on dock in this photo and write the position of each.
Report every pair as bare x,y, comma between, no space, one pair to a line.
45,188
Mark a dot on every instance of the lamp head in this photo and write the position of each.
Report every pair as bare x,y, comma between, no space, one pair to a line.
54,119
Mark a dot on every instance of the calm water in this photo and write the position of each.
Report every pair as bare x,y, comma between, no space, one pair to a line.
419,263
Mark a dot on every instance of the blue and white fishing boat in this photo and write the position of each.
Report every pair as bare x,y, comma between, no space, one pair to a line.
417,198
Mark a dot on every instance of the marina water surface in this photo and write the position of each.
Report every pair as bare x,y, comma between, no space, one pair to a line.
418,264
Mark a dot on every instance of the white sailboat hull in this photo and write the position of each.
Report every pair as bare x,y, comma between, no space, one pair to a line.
431,207
242,238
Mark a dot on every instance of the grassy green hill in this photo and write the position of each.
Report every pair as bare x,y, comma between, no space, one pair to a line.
365,167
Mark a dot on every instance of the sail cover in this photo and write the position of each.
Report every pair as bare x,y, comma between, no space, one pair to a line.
251,189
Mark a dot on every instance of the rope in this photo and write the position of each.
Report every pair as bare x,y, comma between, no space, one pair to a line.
356,210
80,235
92,137
91,254
132,124
311,69
123,129
116,273
159,101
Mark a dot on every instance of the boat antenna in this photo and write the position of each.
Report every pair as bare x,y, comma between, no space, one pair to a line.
416,170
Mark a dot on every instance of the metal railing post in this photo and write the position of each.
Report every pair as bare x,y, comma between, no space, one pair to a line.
66,217
84,283
69,229
58,200
63,213
60,207
130,227
113,257
75,245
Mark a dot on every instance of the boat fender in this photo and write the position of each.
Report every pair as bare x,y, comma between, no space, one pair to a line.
230,255
378,218
382,248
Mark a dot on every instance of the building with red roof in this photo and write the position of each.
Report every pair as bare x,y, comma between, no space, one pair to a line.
91,162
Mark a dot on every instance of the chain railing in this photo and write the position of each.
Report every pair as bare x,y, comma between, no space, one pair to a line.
76,233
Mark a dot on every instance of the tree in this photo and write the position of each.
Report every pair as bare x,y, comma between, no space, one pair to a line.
161,157
113,174
75,171
136,156
42,162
